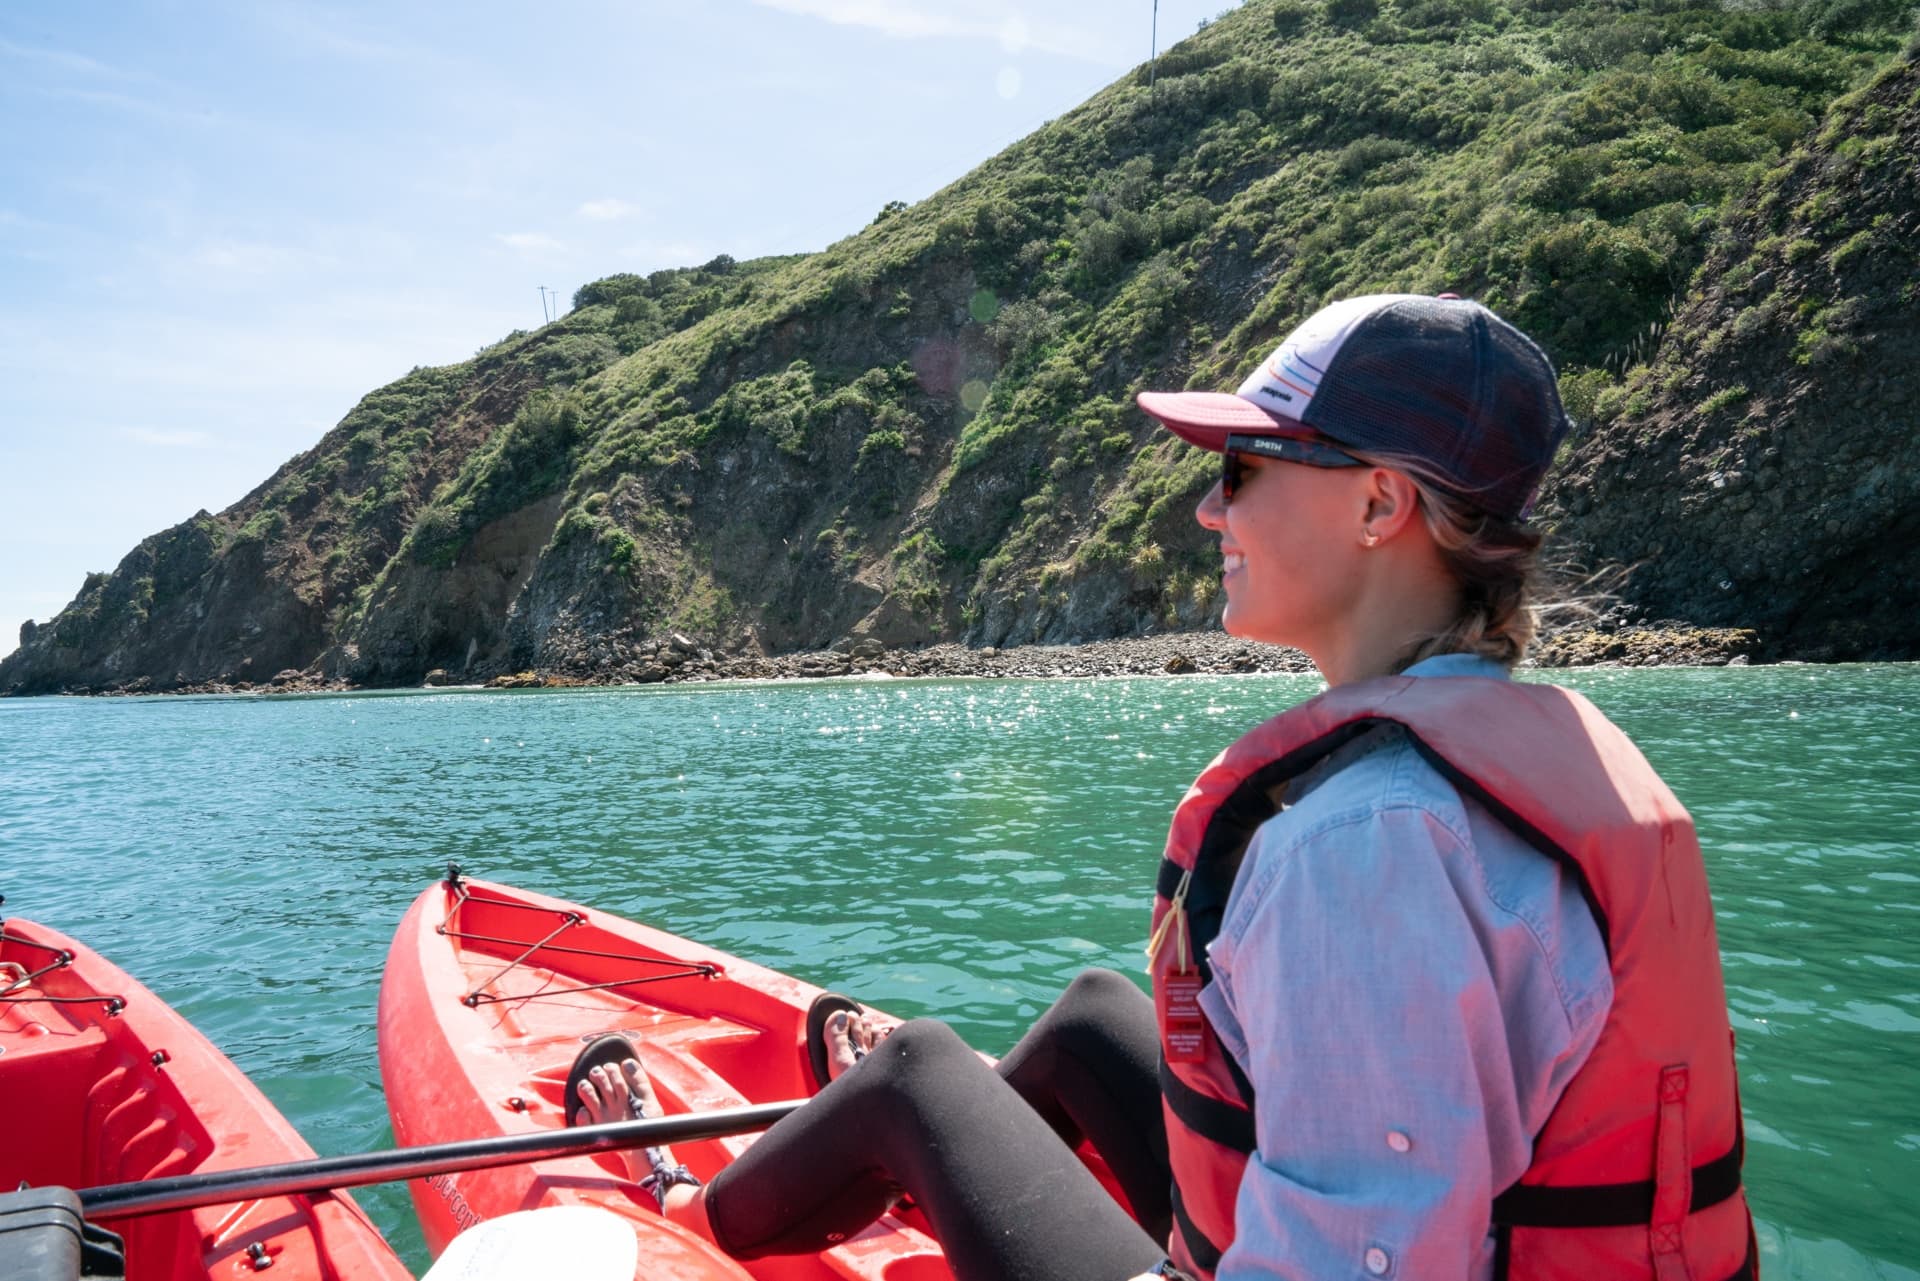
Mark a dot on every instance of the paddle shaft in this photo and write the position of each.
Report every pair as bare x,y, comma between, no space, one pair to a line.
323,1174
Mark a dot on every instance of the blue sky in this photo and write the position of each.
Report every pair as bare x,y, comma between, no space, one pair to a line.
221,224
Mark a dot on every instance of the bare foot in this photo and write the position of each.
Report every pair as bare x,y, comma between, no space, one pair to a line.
850,1038
609,1096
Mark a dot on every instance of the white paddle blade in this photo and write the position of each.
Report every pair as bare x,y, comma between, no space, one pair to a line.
575,1242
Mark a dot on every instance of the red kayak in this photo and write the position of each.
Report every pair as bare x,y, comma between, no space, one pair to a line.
102,1083
490,993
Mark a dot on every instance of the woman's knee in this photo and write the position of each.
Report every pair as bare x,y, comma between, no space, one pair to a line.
921,1056
922,1040
1101,985
1101,998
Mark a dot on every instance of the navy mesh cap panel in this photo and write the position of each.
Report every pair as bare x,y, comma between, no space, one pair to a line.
1449,382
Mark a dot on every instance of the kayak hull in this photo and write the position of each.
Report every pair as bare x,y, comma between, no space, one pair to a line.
102,1083
488,996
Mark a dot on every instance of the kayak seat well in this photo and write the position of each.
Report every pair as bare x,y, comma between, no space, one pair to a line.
83,1110
45,1071
101,1112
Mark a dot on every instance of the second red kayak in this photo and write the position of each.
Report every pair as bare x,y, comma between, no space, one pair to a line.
489,994
102,1083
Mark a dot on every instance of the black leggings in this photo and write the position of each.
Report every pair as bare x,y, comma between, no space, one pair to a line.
986,1152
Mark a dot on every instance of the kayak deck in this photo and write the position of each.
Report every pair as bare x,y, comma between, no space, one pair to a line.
101,1083
490,994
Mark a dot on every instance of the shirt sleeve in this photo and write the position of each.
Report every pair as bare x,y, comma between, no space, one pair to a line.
1390,1094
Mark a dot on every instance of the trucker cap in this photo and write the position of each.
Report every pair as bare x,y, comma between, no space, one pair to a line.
1440,379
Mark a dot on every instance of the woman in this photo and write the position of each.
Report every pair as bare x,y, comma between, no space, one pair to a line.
1436,986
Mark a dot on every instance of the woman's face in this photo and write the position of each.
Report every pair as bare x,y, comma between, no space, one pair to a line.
1289,543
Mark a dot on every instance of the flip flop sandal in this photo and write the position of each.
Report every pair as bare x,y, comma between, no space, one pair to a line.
824,1007
603,1051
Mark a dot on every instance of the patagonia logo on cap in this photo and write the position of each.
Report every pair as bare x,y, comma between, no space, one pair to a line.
1286,381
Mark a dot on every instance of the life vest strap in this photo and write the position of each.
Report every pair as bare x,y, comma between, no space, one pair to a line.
1228,1124
1204,1253
1749,1269
1232,825
1611,1205
1517,823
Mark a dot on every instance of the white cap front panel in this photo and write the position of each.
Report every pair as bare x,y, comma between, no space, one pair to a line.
1286,381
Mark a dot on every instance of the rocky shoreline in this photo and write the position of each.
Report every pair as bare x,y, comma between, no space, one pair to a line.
680,660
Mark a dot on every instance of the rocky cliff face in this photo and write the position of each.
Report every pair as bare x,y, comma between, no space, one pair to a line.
1763,470
264,587
183,602
926,432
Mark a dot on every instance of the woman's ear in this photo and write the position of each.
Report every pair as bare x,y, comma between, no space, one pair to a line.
1391,502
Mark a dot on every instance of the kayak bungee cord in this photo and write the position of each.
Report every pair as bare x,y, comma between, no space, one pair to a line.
476,996
26,978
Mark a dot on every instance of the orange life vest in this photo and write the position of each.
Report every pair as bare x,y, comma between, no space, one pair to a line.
1637,1171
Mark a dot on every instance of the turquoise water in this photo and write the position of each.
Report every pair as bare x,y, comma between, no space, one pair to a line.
958,848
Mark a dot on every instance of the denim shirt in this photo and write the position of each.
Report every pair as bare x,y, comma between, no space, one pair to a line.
1409,986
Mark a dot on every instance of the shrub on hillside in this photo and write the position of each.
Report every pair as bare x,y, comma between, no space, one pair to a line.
1589,283
1022,329
611,289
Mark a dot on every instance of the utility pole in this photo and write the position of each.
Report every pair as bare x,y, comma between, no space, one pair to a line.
1153,54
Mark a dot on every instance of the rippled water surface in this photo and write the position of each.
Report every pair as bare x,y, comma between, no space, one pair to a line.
958,848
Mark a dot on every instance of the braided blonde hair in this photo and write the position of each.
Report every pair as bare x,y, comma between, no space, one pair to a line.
1504,586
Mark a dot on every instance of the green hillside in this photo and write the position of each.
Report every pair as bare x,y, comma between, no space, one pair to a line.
926,430
1763,468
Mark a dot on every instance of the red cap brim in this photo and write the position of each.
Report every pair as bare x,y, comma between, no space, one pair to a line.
1207,418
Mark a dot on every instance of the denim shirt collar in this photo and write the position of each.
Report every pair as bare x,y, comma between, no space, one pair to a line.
1458,665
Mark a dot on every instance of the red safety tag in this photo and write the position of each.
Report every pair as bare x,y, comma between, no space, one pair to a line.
1176,990
1186,1026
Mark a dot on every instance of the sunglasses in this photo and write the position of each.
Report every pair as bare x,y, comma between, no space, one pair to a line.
1288,449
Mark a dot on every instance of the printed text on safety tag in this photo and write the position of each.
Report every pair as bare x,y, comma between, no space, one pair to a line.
1186,1027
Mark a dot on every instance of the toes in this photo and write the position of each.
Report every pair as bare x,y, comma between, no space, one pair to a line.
868,1033
843,1047
638,1087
